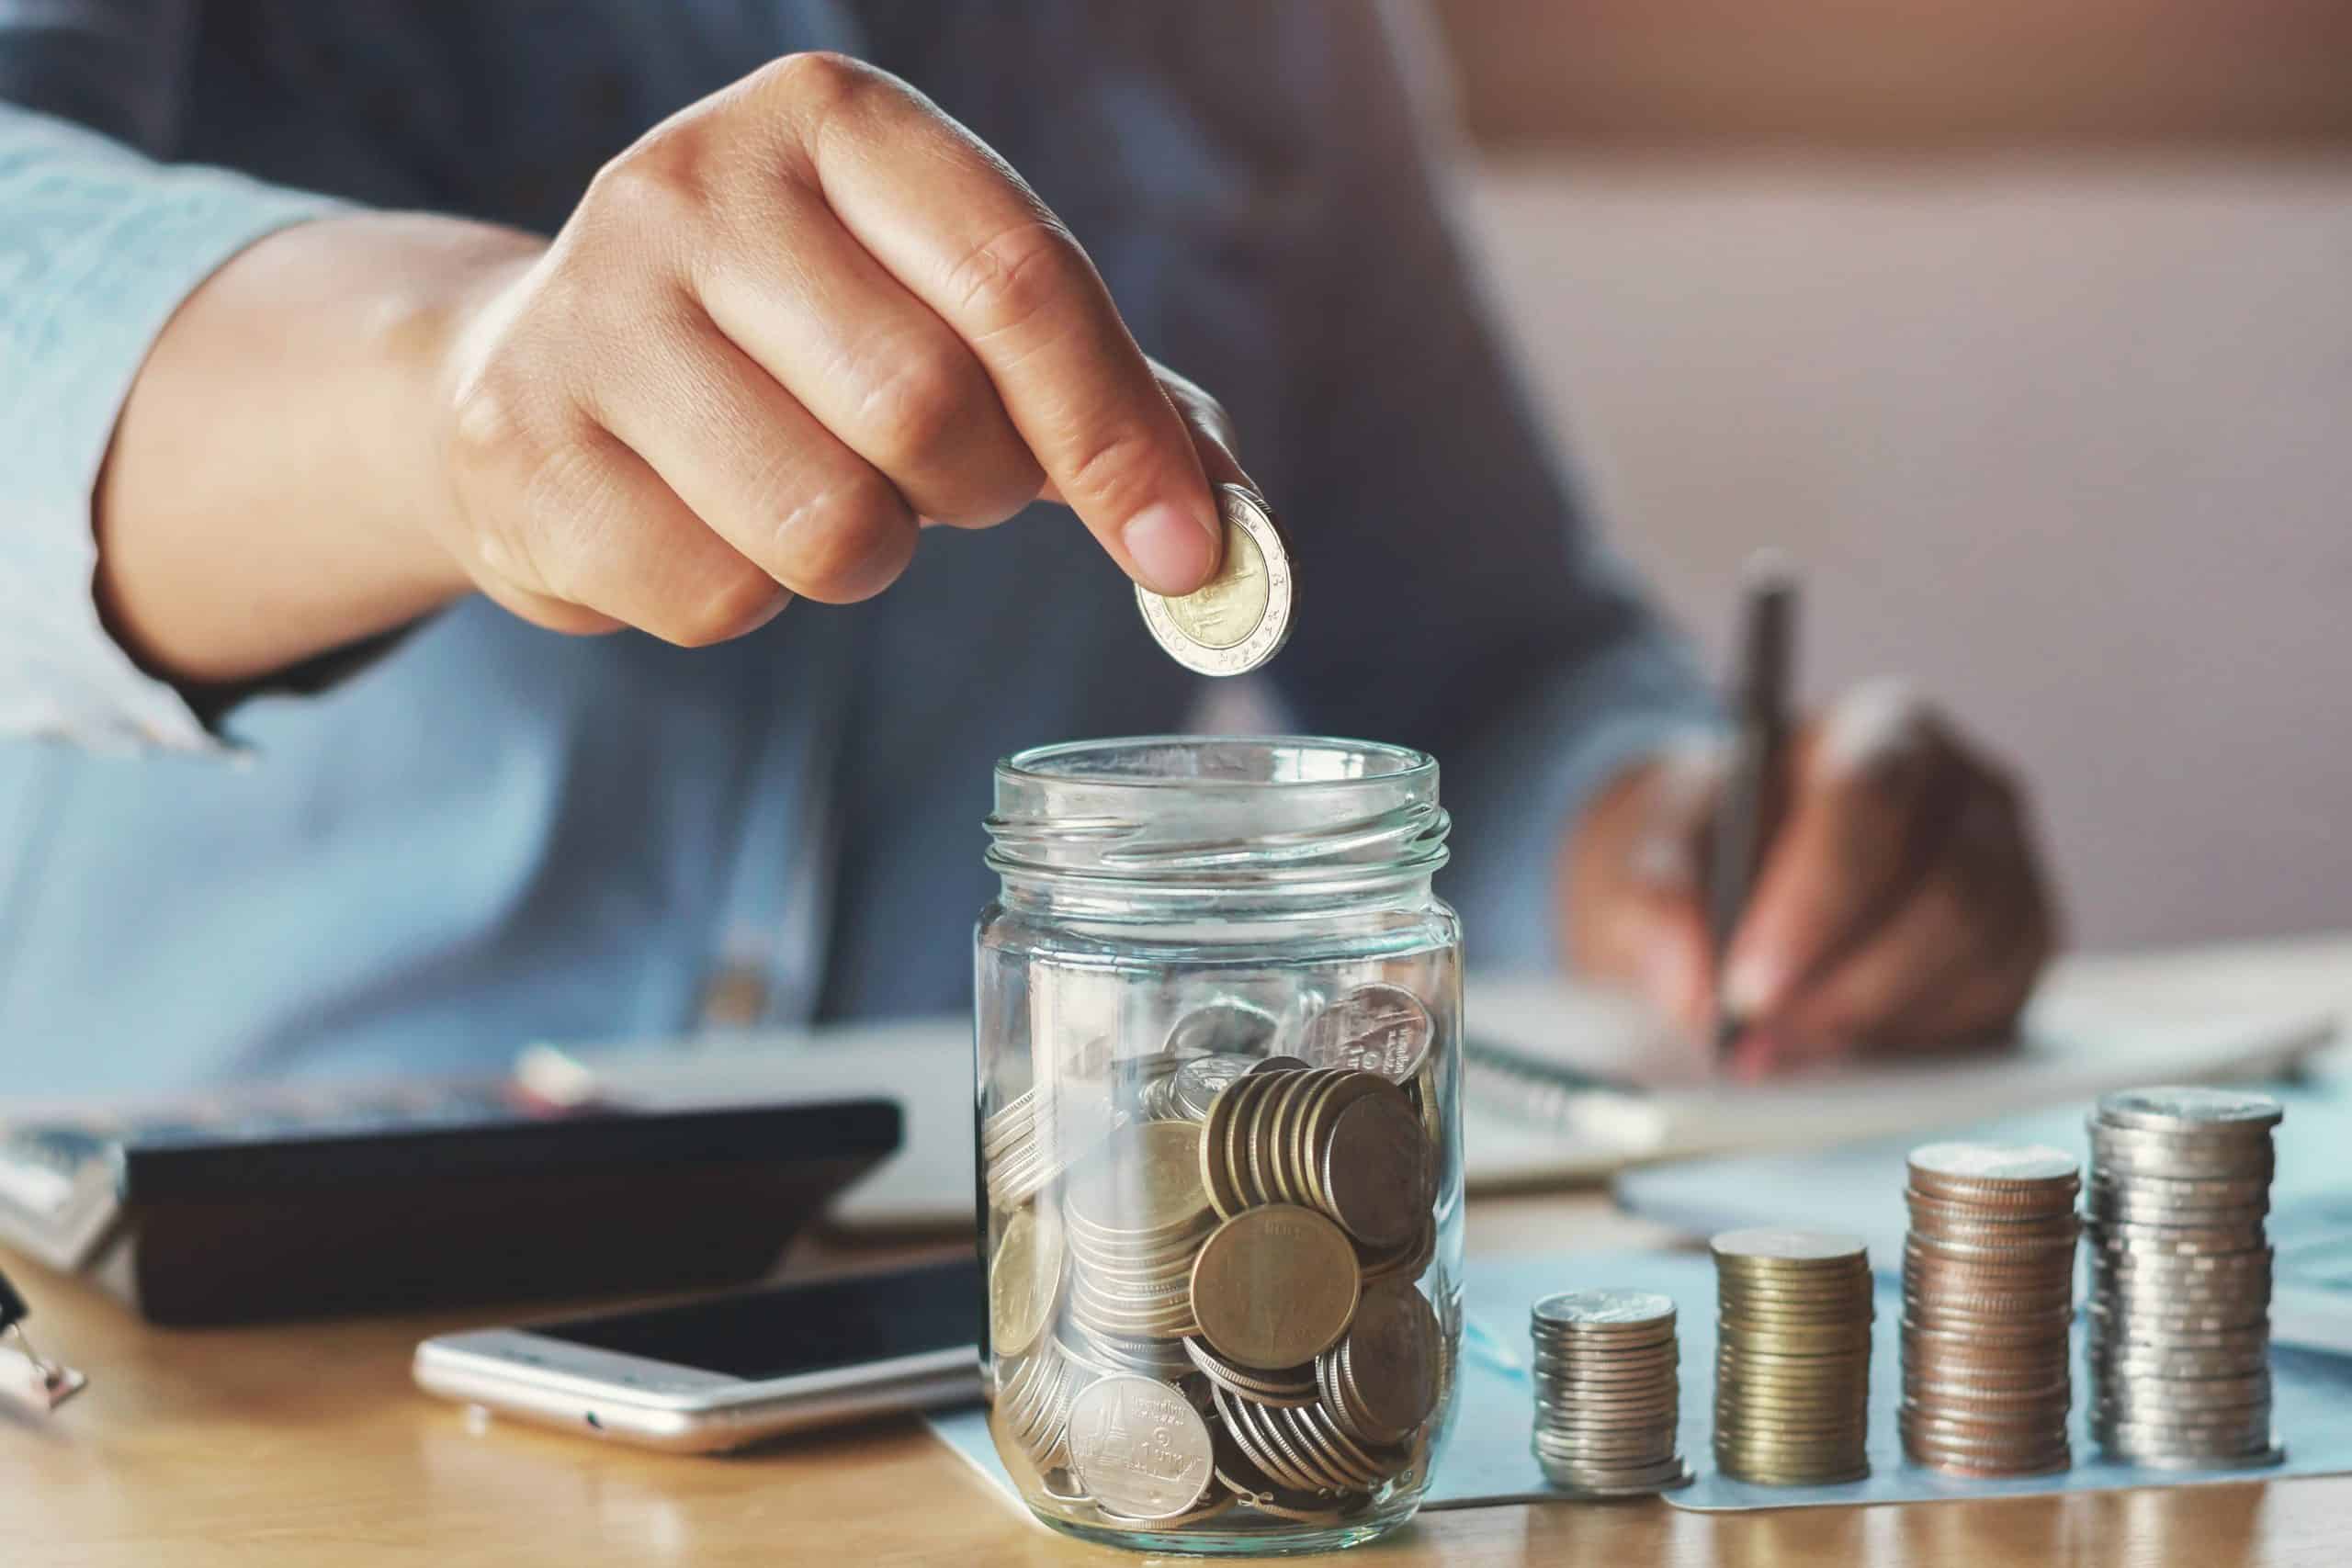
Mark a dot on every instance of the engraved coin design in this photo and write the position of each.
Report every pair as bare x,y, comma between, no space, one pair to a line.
1240,617
1375,1029
1225,1027
1225,610
1776,1244
2192,1110
1992,1162
1024,1279
1138,1447
1274,1286
1580,1307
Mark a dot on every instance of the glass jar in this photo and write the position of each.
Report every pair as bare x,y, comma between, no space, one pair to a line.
1218,1023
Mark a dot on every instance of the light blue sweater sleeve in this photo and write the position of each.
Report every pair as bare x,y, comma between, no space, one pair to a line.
99,246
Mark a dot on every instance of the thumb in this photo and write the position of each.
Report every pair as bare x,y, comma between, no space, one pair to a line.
1211,429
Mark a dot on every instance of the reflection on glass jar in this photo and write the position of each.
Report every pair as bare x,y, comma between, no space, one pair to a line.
1217,1016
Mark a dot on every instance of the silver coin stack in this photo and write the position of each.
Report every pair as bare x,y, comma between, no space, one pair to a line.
2179,1349
1608,1392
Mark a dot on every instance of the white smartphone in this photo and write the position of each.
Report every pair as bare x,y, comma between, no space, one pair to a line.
730,1370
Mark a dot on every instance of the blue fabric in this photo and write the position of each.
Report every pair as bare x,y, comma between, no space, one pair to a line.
494,834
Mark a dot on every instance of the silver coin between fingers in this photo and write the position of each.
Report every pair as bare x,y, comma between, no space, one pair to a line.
1240,618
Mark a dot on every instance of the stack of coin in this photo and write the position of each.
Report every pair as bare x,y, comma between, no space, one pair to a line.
1340,1140
1017,1149
1135,1217
1608,1392
1988,1291
2179,1347
1792,1357
1032,1400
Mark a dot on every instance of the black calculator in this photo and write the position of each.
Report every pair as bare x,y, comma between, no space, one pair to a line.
276,1202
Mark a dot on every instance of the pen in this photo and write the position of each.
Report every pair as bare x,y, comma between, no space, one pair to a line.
1753,786
27,1380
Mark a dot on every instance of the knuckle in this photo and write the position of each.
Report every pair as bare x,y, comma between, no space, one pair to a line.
1017,274
655,183
919,406
488,424
845,541
816,81
1116,466
738,603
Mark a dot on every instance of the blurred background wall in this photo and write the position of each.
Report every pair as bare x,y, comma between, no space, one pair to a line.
2027,329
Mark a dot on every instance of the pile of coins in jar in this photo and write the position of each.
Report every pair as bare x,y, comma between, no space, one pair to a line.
1988,1299
2179,1344
1793,1356
1203,1294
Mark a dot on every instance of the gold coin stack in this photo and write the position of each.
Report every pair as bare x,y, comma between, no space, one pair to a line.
1989,1298
1792,1357
1608,1392
1214,1307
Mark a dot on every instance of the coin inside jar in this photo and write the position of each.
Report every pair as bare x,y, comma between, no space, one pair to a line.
1379,1029
1274,1286
1138,1447
1025,1281
1240,618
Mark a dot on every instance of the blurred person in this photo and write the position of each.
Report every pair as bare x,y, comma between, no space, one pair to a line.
410,468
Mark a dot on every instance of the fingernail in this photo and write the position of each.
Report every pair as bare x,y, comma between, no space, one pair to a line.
1172,552
1751,986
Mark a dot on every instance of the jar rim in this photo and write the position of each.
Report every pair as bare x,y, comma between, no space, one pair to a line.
1273,762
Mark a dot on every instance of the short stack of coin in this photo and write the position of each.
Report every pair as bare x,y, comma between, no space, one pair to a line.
1792,1357
1017,1149
1608,1392
1988,1291
2179,1347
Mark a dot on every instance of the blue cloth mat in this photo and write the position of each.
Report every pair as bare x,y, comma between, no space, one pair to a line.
1487,1461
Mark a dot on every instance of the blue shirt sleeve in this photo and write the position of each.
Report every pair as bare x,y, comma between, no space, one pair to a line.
1462,602
99,246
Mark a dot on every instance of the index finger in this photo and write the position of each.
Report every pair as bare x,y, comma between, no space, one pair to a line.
963,233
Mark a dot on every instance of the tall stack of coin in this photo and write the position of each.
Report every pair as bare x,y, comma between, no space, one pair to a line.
1135,1217
1201,1284
2179,1347
1792,1357
1988,1291
1608,1392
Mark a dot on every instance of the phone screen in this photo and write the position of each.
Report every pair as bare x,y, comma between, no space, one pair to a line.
800,1328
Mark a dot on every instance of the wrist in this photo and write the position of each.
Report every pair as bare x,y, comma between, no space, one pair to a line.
456,273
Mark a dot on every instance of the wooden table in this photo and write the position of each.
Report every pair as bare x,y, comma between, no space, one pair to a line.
307,1448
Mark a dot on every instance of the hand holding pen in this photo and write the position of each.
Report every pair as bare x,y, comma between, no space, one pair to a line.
1892,897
